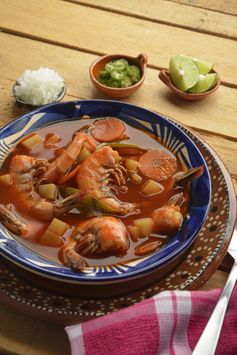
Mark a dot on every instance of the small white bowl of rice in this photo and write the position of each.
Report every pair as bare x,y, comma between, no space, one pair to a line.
39,87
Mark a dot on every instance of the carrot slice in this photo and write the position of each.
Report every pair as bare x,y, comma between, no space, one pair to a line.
108,129
158,165
69,176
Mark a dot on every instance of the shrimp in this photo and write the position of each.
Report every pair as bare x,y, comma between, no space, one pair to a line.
97,235
12,222
60,166
97,173
22,170
168,219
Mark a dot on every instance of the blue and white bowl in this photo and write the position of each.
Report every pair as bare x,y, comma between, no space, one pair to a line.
172,135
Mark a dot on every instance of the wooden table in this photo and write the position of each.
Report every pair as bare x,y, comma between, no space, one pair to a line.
68,35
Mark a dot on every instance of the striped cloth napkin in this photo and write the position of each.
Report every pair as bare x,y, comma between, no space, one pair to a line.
169,323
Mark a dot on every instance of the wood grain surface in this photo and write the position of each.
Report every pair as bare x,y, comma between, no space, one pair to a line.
68,35
178,15
227,6
72,25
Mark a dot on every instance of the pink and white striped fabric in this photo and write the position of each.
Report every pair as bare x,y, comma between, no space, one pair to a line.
167,324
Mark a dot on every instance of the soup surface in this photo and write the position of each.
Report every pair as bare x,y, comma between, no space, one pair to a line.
111,193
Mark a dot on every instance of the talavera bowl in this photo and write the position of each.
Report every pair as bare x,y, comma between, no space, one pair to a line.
107,280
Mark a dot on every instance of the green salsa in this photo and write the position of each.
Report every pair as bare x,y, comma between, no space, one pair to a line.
119,74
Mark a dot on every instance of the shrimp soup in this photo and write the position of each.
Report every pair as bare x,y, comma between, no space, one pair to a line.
91,194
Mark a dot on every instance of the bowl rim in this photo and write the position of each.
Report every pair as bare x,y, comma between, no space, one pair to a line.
114,56
62,275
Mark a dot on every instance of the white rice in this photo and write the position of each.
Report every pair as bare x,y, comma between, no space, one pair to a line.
39,87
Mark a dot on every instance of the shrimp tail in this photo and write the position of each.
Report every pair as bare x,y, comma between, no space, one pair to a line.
45,210
68,203
71,258
12,222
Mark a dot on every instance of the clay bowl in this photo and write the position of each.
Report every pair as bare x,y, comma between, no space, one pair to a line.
95,68
164,76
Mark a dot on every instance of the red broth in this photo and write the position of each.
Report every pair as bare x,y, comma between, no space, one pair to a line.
73,218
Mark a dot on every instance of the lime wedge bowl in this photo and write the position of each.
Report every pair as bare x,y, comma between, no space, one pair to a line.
190,78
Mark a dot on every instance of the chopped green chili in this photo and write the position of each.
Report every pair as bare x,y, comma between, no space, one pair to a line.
119,74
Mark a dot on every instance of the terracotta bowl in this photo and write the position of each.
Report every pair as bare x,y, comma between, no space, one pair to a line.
98,65
164,76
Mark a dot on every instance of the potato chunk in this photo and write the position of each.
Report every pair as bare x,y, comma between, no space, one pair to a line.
145,225
53,236
152,187
58,227
50,239
48,191
135,233
131,164
5,180
32,141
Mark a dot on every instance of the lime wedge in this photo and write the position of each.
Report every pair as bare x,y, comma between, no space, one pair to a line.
205,83
203,66
183,72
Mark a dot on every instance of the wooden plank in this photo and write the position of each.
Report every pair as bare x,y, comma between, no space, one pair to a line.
215,114
218,280
227,6
78,29
226,150
235,186
29,336
201,20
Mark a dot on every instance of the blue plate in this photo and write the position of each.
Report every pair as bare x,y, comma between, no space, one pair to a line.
172,135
